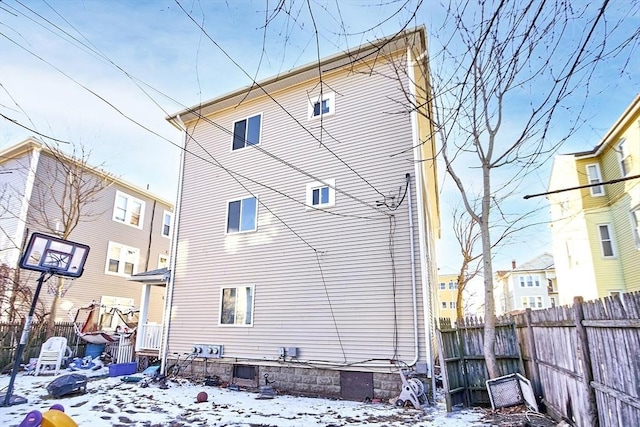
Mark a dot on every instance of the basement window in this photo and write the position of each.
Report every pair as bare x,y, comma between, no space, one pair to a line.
245,375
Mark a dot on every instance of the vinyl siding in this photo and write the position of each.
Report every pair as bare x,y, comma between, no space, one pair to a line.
342,310
96,233
13,182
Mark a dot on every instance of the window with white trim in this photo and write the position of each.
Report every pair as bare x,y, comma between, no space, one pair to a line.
522,281
321,105
167,222
163,261
444,304
453,285
122,260
624,157
635,225
236,306
443,285
128,210
242,215
606,240
321,194
594,177
247,132
452,305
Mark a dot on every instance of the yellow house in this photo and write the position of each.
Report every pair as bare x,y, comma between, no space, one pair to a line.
447,294
596,222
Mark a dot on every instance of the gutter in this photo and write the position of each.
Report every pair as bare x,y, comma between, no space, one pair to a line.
413,273
167,312
424,252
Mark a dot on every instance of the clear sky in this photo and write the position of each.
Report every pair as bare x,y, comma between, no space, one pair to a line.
106,73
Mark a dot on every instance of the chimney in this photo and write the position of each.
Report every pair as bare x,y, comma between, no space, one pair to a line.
513,264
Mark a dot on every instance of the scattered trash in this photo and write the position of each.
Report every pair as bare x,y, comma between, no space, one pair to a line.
266,391
511,390
67,384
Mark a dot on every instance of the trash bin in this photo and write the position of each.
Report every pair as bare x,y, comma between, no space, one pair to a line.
94,350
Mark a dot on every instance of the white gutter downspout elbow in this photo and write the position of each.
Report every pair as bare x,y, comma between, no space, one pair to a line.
178,123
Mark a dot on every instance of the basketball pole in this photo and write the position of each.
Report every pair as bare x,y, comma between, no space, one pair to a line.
23,344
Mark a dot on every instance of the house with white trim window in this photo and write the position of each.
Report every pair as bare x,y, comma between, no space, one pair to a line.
306,225
595,212
530,285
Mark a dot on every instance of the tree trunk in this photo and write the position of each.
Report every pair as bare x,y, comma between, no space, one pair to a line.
461,285
51,320
489,302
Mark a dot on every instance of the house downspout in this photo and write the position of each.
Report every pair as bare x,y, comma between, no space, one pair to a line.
413,273
424,252
168,303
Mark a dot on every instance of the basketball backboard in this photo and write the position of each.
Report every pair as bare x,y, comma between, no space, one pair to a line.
53,255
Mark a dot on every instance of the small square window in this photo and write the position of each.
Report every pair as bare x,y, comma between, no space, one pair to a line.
236,306
246,132
242,215
443,285
163,261
444,304
322,105
321,194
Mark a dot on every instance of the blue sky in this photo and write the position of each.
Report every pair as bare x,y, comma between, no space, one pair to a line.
122,49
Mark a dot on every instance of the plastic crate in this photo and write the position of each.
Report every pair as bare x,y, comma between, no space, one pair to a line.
118,369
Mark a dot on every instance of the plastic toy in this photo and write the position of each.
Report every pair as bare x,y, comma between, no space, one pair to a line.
54,417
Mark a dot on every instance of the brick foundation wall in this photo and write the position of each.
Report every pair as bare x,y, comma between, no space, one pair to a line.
313,382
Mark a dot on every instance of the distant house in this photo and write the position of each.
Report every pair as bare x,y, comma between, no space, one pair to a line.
530,285
306,225
596,228
447,294
128,231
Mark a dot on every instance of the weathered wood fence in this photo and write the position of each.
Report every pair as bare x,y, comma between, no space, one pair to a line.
583,360
10,337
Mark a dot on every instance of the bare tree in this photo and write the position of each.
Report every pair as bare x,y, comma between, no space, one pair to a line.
65,190
507,71
467,234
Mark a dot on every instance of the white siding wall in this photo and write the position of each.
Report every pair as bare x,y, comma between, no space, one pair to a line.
342,310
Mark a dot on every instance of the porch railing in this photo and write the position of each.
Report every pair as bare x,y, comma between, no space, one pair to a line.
150,336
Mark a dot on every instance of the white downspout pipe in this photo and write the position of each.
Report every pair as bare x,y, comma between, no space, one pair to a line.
168,303
422,233
412,252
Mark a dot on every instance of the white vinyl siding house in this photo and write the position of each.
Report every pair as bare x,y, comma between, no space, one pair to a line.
304,261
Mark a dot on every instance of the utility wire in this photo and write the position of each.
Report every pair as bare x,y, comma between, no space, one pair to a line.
611,181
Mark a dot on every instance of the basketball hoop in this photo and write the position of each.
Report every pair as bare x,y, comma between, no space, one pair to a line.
64,284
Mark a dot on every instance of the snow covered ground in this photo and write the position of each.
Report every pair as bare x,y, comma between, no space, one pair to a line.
109,401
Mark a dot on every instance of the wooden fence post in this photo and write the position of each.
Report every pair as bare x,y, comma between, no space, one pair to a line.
585,358
533,353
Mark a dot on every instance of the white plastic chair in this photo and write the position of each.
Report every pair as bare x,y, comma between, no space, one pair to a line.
51,354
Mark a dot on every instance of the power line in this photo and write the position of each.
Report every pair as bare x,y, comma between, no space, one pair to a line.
612,181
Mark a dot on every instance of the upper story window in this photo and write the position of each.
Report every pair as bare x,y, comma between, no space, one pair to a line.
606,240
242,215
594,177
247,132
128,210
529,281
122,260
236,306
167,221
443,304
635,225
624,157
453,285
322,105
321,194
163,261
443,285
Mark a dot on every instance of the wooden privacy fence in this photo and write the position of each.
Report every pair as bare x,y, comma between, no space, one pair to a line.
462,363
10,333
583,360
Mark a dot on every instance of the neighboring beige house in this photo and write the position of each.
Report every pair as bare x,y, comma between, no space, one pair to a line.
530,285
596,228
306,224
129,233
